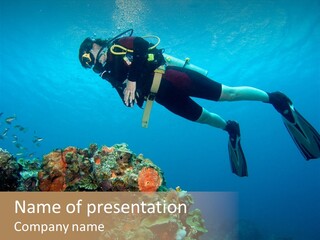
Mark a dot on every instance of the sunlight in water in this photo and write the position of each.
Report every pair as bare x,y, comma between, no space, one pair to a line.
129,13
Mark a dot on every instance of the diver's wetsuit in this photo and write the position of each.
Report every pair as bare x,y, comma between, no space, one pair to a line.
178,84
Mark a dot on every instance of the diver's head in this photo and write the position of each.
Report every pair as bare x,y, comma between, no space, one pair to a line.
91,52
86,57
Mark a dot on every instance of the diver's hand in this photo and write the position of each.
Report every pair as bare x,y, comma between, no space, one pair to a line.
129,93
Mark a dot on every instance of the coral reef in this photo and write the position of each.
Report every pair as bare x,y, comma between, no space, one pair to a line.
104,168
113,168
94,168
9,172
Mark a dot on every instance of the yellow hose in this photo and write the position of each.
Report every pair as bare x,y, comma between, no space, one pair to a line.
125,50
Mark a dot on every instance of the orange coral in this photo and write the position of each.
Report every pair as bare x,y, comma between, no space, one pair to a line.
97,160
58,184
44,183
149,180
53,160
106,149
53,179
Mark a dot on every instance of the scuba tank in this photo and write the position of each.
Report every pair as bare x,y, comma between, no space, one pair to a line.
172,61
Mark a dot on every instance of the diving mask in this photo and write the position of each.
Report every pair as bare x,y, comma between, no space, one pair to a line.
88,59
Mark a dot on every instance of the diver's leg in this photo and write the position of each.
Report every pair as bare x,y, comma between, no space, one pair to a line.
179,103
195,84
175,100
243,93
236,155
211,119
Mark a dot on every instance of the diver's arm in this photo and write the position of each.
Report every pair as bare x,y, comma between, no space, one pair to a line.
140,55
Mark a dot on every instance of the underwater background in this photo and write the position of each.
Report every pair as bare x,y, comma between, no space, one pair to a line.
272,45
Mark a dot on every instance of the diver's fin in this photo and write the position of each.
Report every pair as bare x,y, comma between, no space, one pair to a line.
237,158
302,132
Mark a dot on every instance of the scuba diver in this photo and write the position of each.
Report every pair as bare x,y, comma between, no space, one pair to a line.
140,72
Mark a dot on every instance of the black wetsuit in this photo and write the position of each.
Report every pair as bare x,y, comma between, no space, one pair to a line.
178,84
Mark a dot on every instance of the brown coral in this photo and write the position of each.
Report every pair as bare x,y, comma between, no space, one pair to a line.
149,180
106,149
52,178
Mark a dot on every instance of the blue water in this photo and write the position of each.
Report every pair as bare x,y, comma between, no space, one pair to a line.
272,45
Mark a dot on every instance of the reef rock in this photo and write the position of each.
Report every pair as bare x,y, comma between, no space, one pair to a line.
9,171
96,168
